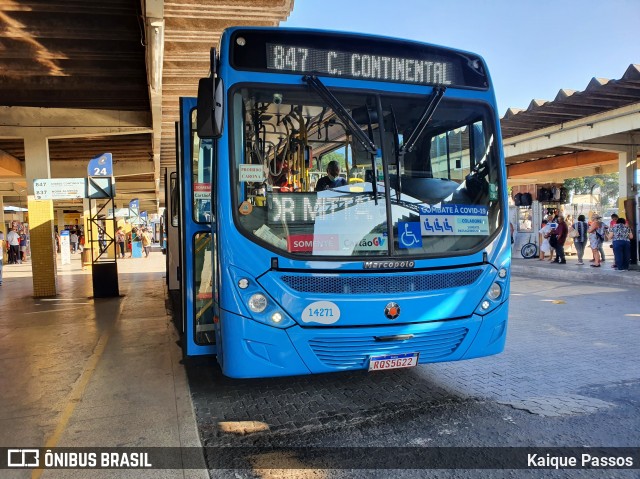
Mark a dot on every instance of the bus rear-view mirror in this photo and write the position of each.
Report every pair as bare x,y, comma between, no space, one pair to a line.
210,108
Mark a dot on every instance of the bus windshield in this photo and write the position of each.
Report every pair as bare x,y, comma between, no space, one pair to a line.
436,195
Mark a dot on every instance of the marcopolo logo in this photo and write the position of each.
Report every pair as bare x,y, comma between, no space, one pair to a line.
389,264
23,458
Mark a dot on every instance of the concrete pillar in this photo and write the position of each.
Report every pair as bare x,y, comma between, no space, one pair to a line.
119,204
41,219
628,187
3,227
60,217
627,166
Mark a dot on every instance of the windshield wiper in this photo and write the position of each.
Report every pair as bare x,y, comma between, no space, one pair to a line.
342,112
399,155
350,124
434,100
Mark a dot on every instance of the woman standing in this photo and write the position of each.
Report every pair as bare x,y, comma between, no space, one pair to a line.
545,248
146,242
580,240
120,240
595,239
621,235
569,245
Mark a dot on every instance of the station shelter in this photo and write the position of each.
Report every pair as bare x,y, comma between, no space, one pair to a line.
578,134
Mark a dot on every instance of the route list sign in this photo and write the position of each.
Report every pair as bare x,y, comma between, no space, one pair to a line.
60,188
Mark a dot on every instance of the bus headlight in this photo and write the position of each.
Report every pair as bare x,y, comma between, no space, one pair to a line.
502,273
257,303
495,291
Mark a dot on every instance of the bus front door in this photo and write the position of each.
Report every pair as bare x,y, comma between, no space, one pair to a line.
198,264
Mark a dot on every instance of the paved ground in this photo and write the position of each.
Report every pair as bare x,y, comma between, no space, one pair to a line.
570,376
82,372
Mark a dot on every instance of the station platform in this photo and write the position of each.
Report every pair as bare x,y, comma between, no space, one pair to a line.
82,372
572,271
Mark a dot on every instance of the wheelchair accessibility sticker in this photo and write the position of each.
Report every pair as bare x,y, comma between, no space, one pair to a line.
454,220
409,235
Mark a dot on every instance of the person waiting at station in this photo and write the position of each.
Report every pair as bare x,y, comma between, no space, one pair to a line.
73,239
120,240
146,242
23,246
13,241
621,235
560,232
333,178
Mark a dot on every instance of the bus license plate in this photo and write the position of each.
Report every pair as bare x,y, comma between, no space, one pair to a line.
393,361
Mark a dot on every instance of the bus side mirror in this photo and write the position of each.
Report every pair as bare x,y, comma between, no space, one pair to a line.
210,108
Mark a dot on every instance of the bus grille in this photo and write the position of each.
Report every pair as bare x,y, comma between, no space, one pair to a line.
354,351
358,284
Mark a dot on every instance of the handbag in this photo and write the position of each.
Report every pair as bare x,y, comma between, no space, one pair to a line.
573,233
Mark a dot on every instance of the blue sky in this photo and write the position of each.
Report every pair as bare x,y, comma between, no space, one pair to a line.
532,48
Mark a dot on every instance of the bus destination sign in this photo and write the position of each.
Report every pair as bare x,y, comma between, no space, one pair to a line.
431,70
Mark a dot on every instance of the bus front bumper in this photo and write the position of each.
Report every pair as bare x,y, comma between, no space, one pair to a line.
252,349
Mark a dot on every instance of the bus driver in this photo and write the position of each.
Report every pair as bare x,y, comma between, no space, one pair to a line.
333,178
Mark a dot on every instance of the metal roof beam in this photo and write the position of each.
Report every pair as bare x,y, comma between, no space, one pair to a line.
10,166
561,163
588,128
70,123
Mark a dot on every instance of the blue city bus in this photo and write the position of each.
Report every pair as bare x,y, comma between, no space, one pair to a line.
403,261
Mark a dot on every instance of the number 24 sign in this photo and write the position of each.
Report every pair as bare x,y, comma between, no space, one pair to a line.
101,165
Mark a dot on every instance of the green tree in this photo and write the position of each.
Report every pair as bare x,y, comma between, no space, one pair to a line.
606,184
334,155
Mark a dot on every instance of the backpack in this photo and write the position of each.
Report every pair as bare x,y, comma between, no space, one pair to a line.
544,194
526,199
517,199
581,228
